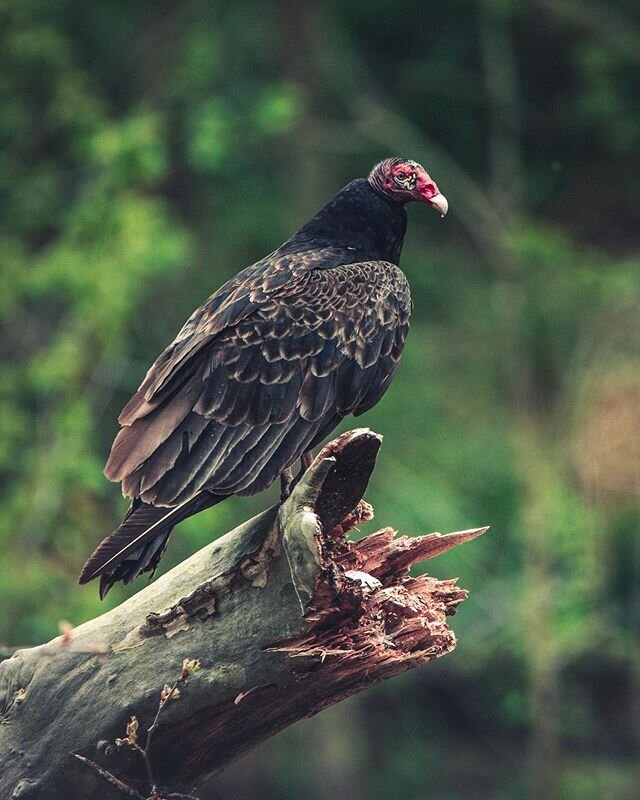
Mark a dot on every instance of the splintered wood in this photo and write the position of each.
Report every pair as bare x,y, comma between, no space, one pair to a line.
367,607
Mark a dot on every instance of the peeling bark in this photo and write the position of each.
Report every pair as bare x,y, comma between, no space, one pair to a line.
237,606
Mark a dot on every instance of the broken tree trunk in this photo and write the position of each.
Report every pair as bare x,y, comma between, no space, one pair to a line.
236,606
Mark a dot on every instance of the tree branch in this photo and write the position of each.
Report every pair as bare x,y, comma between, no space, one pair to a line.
236,606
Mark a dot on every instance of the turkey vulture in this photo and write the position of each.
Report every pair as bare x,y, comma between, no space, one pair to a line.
266,368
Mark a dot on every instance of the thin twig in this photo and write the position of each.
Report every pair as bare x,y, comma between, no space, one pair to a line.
150,731
110,778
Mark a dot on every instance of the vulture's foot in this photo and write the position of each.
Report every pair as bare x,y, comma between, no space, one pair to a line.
286,481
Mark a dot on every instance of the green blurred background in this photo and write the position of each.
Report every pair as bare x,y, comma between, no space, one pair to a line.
148,150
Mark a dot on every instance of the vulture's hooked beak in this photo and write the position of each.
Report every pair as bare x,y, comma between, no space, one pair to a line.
439,202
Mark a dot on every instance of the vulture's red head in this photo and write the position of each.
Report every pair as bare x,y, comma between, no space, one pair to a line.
402,180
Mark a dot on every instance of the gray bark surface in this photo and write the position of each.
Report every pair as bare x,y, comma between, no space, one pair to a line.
236,606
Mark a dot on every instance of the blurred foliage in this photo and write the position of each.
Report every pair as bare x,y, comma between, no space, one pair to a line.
149,150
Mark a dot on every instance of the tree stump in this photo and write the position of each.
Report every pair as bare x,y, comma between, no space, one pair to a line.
285,615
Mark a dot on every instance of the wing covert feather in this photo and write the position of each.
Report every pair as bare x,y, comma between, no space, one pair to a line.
258,373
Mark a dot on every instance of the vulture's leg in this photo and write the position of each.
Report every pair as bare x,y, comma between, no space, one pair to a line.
286,479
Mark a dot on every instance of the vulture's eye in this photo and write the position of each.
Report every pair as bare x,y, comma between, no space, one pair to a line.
405,179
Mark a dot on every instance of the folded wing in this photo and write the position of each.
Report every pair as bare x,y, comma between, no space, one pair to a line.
247,401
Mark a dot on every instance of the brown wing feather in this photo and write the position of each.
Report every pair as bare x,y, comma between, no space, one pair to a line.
135,443
234,301
227,408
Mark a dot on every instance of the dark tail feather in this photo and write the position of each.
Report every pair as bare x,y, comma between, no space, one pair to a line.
138,544
143,559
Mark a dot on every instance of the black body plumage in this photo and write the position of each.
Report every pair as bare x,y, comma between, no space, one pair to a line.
262,372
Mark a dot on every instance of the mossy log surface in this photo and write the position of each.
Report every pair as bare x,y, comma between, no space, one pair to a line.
237,606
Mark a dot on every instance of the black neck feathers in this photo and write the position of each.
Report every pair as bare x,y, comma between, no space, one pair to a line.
358,223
